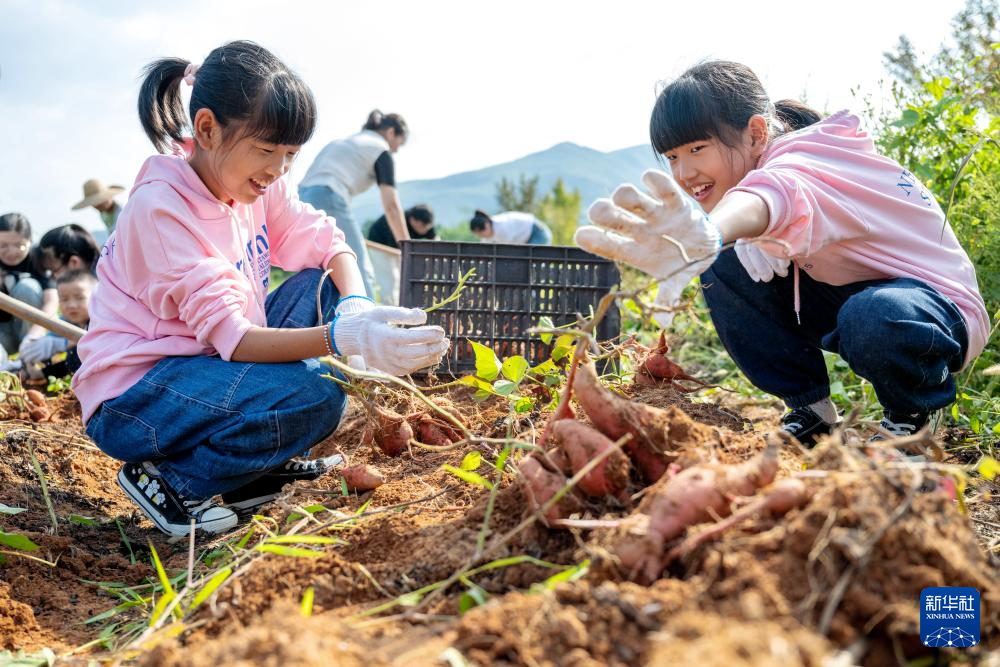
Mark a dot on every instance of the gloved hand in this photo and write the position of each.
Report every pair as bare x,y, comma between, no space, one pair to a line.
760,266
394,350
355,303
40,349
640,225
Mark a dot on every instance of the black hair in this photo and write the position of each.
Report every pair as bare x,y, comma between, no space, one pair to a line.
77,276
17,223
69,240
243,84
421,213
715,99
479,221
378,121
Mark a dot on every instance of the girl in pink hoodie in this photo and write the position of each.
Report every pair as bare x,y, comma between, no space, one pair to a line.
192,373
837,248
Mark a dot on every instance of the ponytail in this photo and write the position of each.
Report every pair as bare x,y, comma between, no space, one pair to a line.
378,122
243,84
161,110
479,220
795,115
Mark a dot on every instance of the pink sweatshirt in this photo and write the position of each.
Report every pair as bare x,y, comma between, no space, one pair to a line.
184,274
850,214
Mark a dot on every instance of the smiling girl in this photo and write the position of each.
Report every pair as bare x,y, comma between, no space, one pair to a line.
877,276
195,376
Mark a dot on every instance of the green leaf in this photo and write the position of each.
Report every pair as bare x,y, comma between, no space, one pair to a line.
343,488
954,412
17,541
164,579
484,389
306,608
909,118
311,509
975,425
569,574
545,322
246,538
505,454
988,467
544,368
468,476
524,404
303,539
515,368
83,520
294,552
504,387
209,588
472,461
487,364
473,597
410,599
44,658
161,606
7,509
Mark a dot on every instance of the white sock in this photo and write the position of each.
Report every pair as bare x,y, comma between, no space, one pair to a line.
826,410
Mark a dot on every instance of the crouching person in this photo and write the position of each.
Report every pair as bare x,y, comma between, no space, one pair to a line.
192,374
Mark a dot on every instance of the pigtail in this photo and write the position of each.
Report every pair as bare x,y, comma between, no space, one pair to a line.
795,115
161,110
374,121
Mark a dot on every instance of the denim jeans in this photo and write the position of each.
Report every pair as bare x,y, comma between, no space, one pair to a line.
323,198
211,425
899,334
27,290
540,234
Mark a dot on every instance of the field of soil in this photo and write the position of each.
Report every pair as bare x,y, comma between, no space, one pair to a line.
834,582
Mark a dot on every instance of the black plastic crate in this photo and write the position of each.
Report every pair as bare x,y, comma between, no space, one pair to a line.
514,286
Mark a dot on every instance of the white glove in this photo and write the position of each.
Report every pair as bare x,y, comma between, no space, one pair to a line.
641,224
355,303
38,350
396,351
760,266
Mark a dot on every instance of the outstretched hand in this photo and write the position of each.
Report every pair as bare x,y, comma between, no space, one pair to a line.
665,235
395,350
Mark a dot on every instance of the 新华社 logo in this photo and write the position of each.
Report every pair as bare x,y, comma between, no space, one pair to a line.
949,616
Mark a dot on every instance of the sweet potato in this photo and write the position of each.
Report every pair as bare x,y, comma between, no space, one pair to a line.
432,431
695,495
362,477
388,430
540,485
656,434
658,368
38,410
580,444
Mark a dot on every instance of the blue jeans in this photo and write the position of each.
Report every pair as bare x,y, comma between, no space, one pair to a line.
325,199
211,425
540,234
899,334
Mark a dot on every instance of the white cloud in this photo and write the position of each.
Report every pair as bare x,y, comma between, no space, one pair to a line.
478,84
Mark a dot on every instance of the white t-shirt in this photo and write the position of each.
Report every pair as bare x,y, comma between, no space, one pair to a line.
512,227
347,166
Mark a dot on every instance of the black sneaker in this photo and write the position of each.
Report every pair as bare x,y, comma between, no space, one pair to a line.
895,425
246,499
170,512
805,425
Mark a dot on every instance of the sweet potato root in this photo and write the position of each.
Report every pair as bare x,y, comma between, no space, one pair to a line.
362,477
388,430
579,445
698,494
656,433
37,408
657,368
540,485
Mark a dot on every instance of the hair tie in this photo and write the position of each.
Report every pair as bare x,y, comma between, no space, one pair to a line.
190,72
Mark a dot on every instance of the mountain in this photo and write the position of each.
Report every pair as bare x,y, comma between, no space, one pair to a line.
455,197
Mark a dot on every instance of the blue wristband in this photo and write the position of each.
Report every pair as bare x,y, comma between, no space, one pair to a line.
333,339
355,296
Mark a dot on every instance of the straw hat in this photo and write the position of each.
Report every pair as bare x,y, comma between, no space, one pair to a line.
94,192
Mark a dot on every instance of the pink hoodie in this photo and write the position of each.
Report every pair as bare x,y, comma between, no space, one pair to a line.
184,274
850,214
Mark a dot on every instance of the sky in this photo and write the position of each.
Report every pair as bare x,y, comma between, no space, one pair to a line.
478,83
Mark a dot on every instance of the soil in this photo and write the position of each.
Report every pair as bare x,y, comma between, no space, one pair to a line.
836,582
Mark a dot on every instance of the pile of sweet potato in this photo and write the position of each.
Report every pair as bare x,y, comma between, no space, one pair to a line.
392,432
676,499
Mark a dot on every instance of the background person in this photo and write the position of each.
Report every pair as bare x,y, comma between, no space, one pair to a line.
102,199
22,279
347,167
67,248
510,227
419,224
75,289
